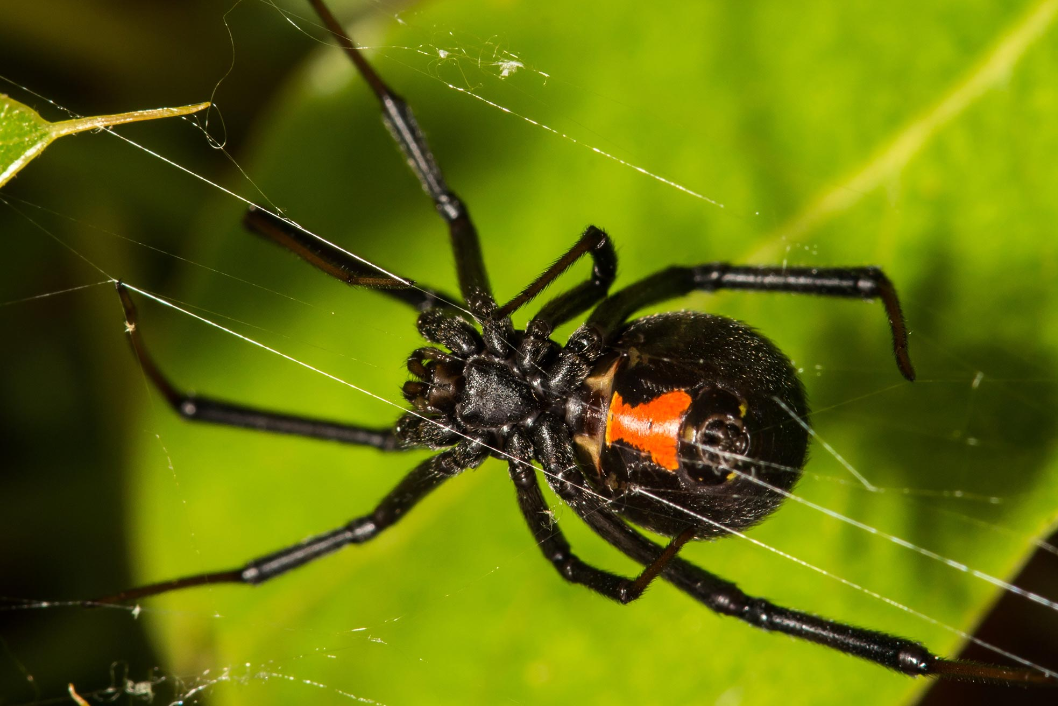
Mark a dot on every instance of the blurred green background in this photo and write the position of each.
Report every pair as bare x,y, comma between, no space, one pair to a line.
922,139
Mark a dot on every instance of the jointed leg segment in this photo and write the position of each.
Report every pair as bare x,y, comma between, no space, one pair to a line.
423,479
556,548
593,242
725,598
208,409
338,264
845,282
575,301
398,117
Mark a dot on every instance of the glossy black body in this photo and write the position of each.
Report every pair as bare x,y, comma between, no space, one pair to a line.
736,379
734,424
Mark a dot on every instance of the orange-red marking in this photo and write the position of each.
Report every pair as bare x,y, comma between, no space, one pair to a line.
652,427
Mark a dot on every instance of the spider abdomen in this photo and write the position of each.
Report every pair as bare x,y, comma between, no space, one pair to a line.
696,409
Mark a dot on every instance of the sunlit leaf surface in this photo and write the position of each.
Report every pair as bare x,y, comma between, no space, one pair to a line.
915,136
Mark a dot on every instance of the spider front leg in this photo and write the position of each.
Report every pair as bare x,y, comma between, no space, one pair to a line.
593,242
415,486
398,117
213,411
844,282
340,264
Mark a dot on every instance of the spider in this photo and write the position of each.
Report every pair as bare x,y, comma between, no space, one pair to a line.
686,424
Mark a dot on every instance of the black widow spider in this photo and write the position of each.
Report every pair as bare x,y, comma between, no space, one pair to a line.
684,423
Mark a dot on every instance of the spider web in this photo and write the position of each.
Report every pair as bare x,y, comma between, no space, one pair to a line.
455,604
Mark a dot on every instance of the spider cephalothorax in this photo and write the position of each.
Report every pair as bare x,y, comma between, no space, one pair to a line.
683,423
474,390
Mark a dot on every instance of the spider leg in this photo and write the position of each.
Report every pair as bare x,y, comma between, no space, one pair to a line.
207,409
416,485
724,597
398,117
339,264
536,343
556,548
593,242
845,282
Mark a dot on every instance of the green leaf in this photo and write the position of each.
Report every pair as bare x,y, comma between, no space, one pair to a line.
915,136
24,133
